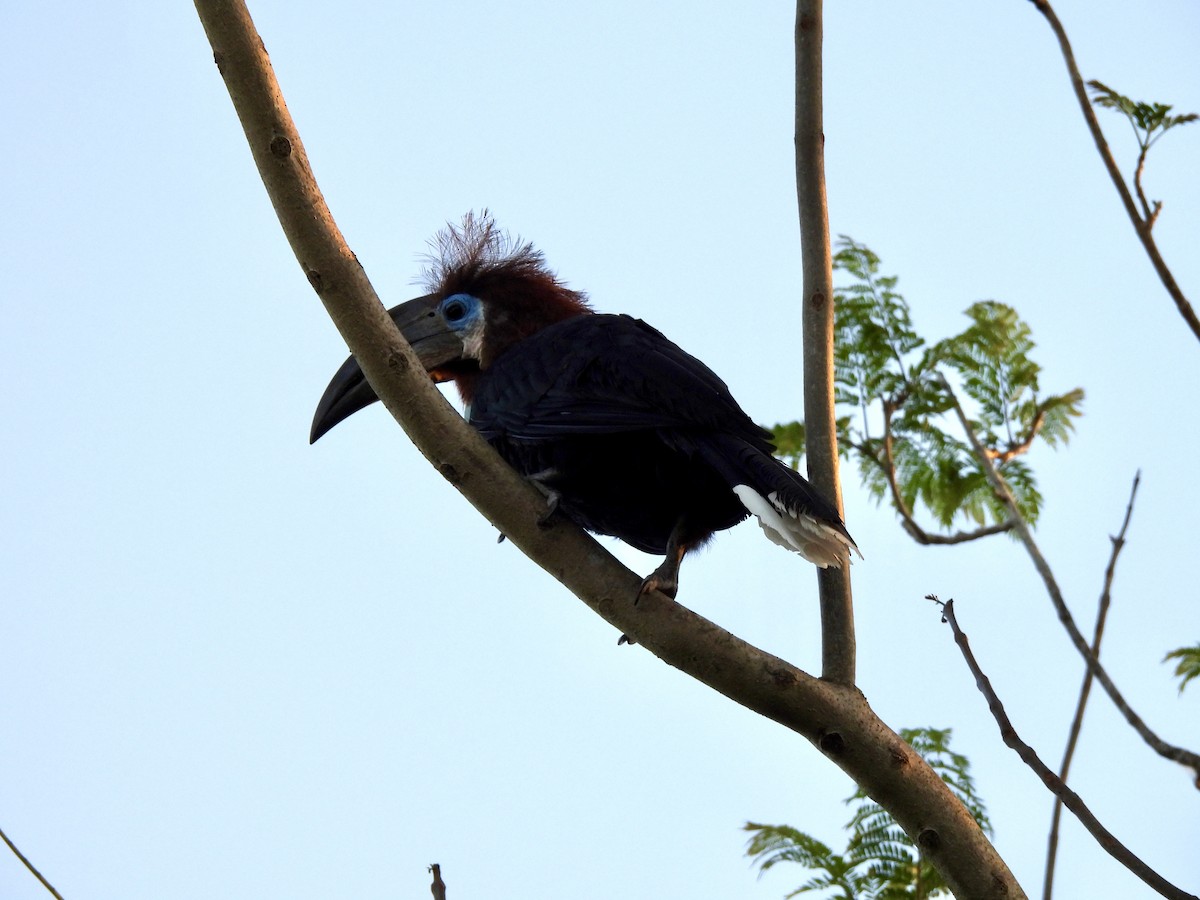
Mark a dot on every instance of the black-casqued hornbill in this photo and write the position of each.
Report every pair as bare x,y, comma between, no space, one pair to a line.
626,433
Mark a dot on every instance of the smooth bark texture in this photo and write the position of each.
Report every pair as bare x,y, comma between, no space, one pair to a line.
820,428
834,717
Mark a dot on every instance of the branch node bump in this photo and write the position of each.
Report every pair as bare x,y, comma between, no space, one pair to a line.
833,743
783,678
281,147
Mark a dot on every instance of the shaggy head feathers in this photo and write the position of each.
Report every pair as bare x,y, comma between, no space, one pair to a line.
477,255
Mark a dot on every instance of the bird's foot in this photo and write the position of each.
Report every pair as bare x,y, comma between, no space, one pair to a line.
664,579
658,580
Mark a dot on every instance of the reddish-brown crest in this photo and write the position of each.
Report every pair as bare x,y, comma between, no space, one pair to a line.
521,295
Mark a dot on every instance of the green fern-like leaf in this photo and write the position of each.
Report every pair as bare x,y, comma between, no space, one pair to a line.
789,442
880,861
1150,121
1188,666
789,439
773,844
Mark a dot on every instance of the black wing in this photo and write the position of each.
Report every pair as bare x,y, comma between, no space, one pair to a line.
603,374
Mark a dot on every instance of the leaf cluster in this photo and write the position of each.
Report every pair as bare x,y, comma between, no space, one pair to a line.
880,861
895,387
1150,121
1188,666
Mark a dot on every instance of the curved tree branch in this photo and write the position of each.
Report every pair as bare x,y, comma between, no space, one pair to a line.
1072,800
1141,225
834,717
1168,751
820,424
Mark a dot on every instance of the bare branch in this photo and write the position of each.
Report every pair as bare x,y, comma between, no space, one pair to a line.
959,537
1140,225
1148,214
1070,799
36,874
1085,690
820,424
438,888
834,717
1168,751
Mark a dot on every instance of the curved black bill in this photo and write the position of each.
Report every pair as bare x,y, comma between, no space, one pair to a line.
347,393
433,340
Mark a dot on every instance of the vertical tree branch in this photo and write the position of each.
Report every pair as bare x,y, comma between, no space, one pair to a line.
1085,691
1141,226
837,607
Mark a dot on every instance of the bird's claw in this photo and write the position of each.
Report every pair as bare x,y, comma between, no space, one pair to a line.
663,582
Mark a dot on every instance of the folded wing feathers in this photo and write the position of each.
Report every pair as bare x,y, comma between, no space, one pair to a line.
822,544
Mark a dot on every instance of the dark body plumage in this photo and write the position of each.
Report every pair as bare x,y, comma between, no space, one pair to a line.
629,435
633,432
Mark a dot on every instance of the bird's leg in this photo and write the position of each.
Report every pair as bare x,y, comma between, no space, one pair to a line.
666,577
539,480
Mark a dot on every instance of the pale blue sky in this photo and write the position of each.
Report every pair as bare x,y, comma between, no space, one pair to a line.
236,665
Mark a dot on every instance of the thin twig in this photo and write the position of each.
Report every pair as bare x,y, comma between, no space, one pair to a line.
820,424
1070,799
1000,486
36,874
1148,214
1085,690
1140,225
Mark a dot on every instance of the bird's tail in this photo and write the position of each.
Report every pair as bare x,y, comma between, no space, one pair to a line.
789,509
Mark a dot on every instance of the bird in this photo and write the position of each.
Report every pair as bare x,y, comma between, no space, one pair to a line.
625,433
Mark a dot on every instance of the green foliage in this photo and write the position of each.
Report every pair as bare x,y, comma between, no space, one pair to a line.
880,862
1150,121
909,448
1188,666
789,440
772,844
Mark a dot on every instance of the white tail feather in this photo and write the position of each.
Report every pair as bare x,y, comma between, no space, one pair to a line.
821,544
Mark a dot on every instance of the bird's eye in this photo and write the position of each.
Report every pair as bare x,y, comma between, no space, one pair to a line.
454,310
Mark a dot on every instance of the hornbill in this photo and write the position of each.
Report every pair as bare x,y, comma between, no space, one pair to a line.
625,433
